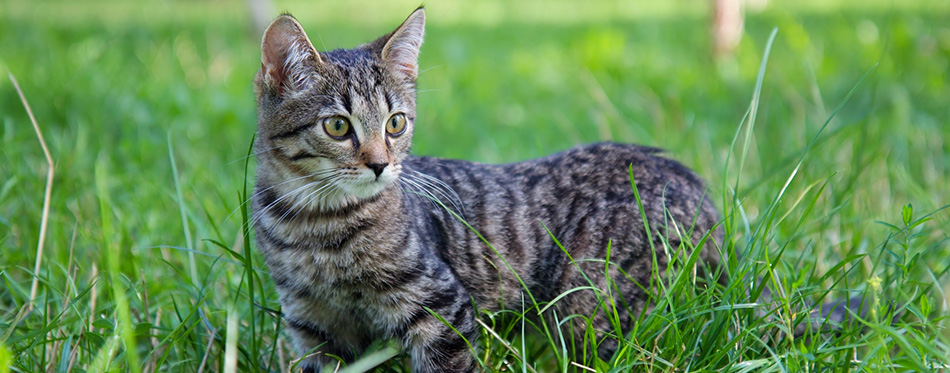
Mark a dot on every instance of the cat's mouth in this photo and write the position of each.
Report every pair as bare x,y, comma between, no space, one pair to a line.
367,183
338,186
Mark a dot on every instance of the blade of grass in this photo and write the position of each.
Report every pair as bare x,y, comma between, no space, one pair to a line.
231,339
749,118
249,262
50,173
767,222
468,343
113,254
373,359
754,105
184,217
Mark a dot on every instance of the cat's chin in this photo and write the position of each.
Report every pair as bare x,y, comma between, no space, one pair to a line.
369,189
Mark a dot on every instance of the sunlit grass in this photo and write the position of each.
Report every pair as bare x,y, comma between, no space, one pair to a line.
148,112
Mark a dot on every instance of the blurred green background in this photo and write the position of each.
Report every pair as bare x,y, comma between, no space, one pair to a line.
123,86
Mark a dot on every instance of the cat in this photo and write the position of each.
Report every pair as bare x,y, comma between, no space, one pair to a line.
363,240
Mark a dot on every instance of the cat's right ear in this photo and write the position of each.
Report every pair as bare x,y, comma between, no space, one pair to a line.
287,56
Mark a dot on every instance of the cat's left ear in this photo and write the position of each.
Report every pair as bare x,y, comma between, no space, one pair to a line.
401,49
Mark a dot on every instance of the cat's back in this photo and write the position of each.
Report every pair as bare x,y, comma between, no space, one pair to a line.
581,196
573,183
600,170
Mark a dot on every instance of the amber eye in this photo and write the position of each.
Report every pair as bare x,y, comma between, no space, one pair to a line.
396,124
337,127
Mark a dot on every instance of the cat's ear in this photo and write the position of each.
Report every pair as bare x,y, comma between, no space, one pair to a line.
401,50
287,56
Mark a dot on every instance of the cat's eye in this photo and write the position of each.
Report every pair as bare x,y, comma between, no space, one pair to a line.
396,124
337,127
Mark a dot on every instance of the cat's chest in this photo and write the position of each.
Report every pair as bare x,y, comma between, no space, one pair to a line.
367,264
349,303
337,273
330,250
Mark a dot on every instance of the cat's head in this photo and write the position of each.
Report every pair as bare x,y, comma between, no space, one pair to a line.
342,119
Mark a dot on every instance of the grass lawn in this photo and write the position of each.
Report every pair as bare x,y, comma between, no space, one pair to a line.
838,188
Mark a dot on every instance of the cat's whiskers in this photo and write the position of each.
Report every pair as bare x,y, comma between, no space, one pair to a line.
409,186
260,214
425,189
432,191
423,71
444,187
319,196
308,200
434,186
263,211
259,192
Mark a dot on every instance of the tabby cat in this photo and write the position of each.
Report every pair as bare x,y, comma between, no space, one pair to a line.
362,240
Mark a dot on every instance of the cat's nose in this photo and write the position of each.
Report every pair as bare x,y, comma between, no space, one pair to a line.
377,167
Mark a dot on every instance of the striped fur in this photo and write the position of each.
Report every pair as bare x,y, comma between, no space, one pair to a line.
359,254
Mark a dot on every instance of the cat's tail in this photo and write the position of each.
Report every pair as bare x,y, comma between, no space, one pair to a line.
835,316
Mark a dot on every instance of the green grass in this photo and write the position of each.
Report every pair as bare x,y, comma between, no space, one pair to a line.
148,112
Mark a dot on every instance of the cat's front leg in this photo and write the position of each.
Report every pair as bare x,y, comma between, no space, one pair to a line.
434,345
307,337
316,347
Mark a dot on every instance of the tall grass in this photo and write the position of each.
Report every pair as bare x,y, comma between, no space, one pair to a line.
837,191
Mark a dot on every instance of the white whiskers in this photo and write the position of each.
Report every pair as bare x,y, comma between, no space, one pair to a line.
326,183
321,184
315,195
257,193
437,191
